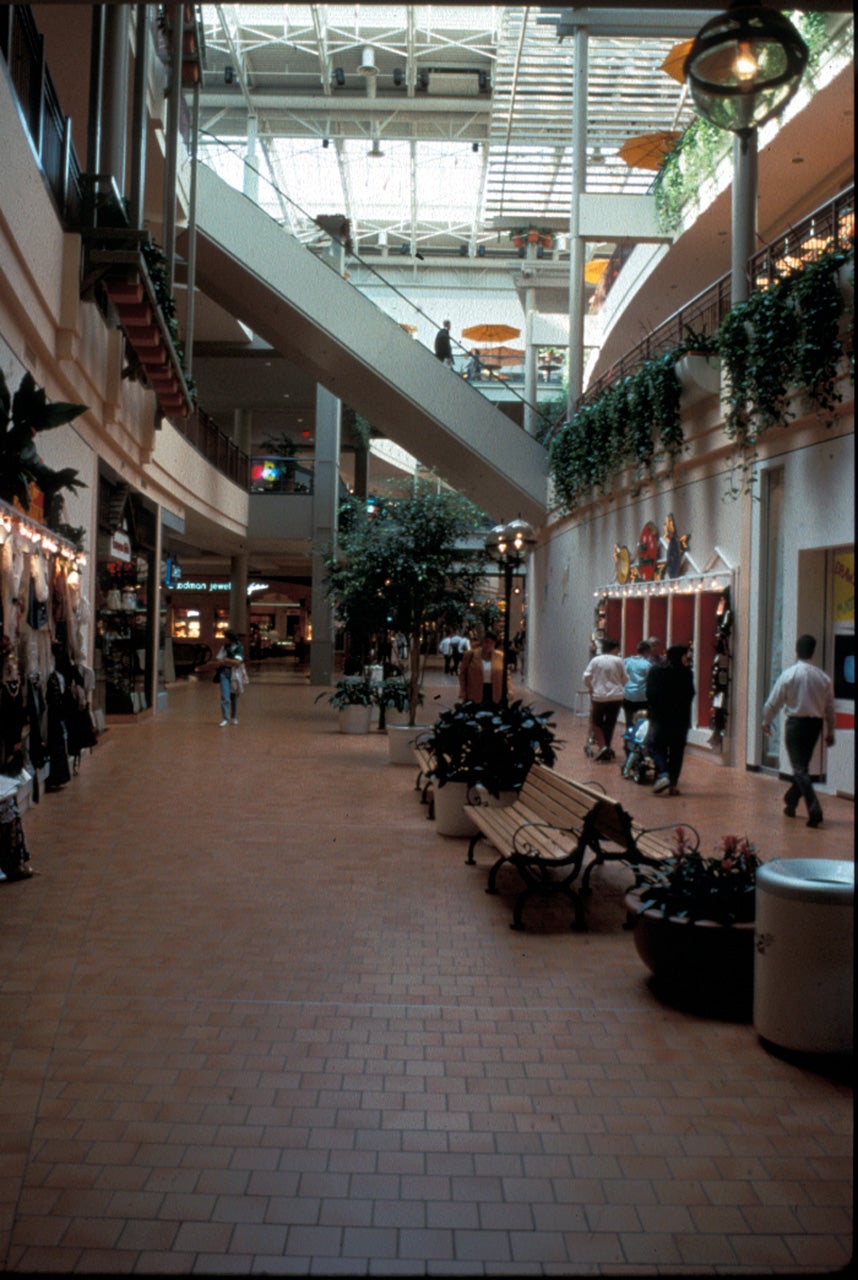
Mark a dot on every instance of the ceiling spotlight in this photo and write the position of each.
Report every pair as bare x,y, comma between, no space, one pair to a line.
367,63
339,76
475,146
744,66
463,251
326,142
398,77
228,74
403,249
424,79
483,81
481,250
375,150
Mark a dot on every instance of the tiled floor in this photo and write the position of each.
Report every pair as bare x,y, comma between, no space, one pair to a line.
257,1016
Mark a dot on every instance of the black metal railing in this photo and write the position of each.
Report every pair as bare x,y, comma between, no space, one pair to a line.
215,445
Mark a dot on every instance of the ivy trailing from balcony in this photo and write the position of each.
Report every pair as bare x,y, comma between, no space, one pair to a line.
156,266
690,163
635,423
784,340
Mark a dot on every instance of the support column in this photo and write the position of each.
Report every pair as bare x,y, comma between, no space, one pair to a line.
251,169
115,116
174,102
238,594
531,415
325,503
157,698
576,244
242,429
190,312
743,214
139,117
96,92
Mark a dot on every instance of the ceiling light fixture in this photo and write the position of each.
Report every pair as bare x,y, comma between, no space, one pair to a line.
367,62
744,66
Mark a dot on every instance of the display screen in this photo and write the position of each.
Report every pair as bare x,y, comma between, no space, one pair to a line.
844,668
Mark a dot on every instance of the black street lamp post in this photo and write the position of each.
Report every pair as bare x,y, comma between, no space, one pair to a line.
508,545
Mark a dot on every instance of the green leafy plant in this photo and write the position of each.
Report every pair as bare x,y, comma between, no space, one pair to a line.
690,163
405,567
350,691
22,417
493,747
156,267
690,886
782,341
635,422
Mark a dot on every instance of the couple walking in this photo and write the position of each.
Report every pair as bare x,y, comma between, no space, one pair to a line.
669,693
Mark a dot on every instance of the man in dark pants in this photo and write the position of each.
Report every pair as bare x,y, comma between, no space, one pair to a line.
807,695
669,696
443,345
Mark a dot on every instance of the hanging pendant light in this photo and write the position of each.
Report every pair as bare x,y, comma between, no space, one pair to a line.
744,66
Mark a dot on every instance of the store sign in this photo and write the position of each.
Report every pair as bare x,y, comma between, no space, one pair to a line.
215,586
120,546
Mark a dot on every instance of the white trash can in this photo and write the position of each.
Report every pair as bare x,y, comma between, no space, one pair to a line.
803,956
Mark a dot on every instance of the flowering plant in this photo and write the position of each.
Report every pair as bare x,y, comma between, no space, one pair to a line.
689,886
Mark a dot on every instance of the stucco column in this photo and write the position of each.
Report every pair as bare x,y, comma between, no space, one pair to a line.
530,416
251,170
115,113
139,116
325,503
576,244
743,214
242,429
238,594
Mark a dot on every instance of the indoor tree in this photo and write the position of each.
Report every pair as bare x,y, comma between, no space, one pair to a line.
404,566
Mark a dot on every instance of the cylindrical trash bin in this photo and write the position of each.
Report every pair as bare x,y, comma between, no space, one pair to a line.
803,957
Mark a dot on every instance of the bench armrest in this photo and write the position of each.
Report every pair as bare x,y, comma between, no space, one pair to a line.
670,826
520,833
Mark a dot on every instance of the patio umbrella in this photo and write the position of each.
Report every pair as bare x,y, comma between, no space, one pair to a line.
501,355
594,270
647,150
490,332
675,60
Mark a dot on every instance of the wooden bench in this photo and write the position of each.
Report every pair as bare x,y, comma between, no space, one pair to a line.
548,831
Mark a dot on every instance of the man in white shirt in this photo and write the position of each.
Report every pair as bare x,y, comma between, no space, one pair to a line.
807,696
605,678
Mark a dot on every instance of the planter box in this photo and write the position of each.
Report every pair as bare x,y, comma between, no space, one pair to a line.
355,719
401,739
700,965
451,810
699,376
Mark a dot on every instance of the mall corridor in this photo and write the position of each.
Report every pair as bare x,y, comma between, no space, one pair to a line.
258,1017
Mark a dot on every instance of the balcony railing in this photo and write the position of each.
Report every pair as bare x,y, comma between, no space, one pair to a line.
830,226
215,445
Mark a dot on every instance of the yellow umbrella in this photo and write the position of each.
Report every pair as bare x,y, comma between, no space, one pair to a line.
594,270
675,60
490,332
409,328
647,150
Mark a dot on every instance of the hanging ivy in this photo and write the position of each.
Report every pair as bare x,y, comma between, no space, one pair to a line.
784,338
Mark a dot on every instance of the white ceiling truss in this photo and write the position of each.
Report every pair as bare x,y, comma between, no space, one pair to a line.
431,127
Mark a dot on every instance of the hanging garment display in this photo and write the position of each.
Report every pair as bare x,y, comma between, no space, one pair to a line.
59,772
719,687
14,857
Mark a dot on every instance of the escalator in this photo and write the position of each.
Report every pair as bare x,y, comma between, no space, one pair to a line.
316,319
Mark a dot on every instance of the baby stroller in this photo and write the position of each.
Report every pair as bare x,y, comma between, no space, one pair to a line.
638,765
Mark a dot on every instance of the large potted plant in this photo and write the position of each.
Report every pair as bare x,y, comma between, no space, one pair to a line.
692,918
483,754
353,699
405,567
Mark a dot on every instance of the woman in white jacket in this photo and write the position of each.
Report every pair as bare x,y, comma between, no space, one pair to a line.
604,679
